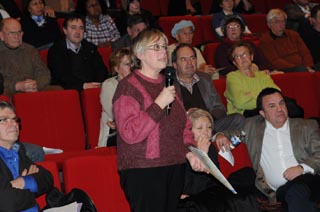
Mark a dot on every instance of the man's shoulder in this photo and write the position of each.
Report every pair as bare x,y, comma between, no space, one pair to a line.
254,121
303,123
204,76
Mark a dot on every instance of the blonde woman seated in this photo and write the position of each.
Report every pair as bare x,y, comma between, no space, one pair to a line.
244,84
202,192
120,66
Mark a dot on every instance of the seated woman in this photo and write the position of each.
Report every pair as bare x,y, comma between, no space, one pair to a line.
202,192
227,7
120,67
100,28
240,6
244,84
39,30
183,32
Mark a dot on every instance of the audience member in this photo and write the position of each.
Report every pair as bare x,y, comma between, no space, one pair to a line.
21,180
131,7
184,7
233,29
197,90
202,192
11,7
240,6
283,48
284,154
121,67
297,12
183,32
310,34
151,146
74,62
39,30
100,28
227,9
20,63
244,84
136,23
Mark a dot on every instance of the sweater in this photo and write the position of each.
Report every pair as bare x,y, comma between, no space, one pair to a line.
20,64
242,91
146,136
285,52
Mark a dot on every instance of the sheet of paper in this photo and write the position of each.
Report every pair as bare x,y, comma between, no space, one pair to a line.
228,156
212,168
72,207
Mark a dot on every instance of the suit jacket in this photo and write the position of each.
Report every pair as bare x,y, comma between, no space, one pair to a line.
15,200
209,95
305,140
63,72
295,15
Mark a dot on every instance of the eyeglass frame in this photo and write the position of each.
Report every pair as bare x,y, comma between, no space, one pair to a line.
157,47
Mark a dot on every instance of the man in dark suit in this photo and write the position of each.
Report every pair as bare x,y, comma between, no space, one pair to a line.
285,153
74,62
197,90
21,180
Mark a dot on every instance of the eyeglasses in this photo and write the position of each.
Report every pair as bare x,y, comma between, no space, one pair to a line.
279,21
235,26
6,120
157,47
11,34
241,56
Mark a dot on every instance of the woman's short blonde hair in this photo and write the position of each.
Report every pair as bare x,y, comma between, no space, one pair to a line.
195,113
116,57
140,43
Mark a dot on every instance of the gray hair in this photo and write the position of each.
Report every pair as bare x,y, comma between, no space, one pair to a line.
275,13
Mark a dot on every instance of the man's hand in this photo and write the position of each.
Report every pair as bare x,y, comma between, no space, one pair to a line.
28,85
293,172
87,85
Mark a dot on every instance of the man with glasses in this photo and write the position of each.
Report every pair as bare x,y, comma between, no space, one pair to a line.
74,62
283,48
21,180
197,90
20,63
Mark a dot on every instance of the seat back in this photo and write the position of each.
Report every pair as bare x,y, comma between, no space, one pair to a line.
51,119
98,177
52,167
152,5
92,109
105,53
257,23
209,52
207,29
44,55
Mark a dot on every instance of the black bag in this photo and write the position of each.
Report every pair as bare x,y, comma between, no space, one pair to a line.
56,198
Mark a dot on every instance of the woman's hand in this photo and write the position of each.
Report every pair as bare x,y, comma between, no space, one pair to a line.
166,96
203,143
195,163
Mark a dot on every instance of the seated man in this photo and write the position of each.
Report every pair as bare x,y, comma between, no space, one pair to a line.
197,89
284,49
74,62
20,63
136,23
21,180
183,32
284,153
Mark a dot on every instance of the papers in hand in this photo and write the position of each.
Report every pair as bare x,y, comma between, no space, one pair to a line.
212,167
72,207
228,156
48,150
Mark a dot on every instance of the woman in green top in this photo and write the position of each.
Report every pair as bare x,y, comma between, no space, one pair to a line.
244,84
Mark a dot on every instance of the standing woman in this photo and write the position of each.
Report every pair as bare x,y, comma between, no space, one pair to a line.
120,66
151,145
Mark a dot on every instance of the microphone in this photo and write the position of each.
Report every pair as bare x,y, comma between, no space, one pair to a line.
169,72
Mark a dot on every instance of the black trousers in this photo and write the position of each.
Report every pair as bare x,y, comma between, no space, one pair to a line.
300,194
153,189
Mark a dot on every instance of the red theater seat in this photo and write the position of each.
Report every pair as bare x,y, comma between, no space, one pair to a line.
209,52
207,30
98,177
51,119
152,5
44,55
257,23
105,53
92,112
